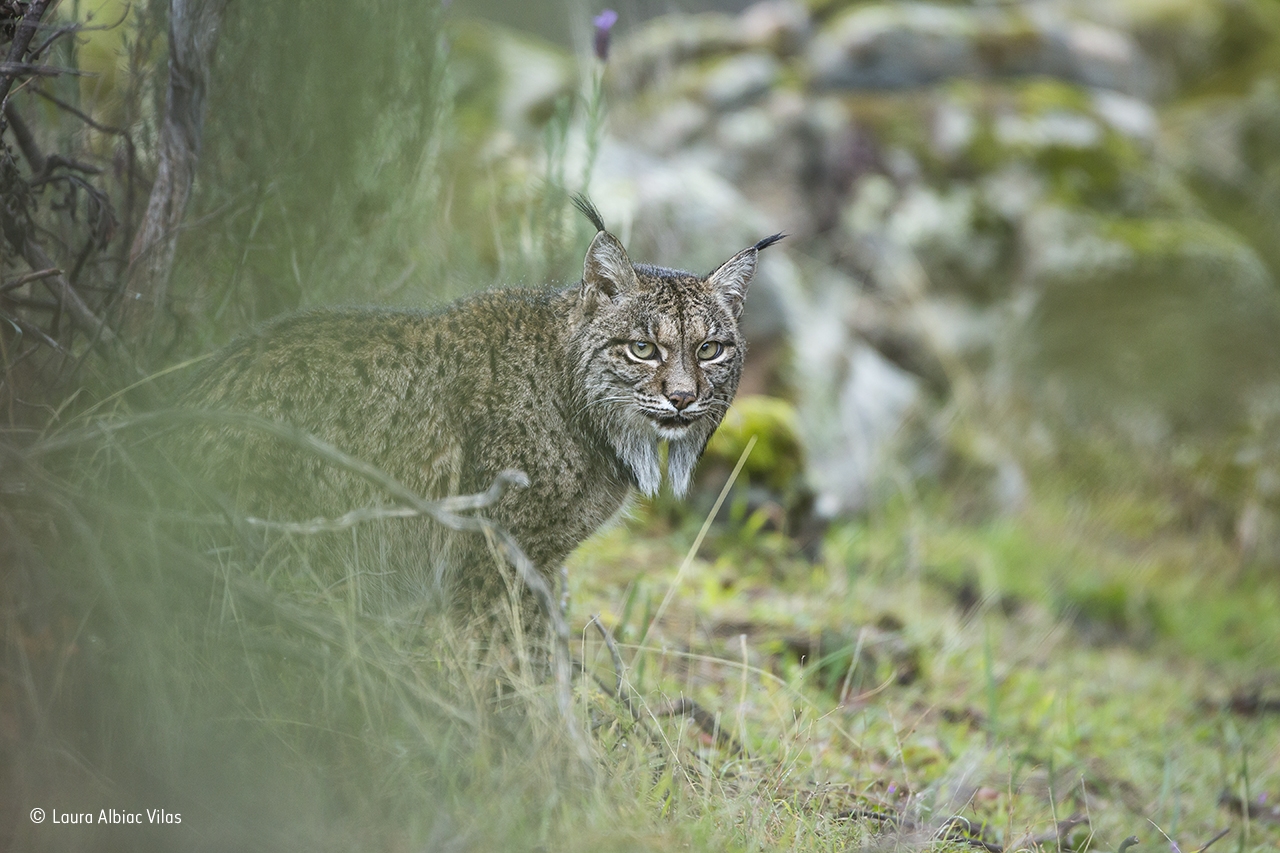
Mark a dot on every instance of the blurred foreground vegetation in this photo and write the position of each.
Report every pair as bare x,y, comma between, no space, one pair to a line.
1094,659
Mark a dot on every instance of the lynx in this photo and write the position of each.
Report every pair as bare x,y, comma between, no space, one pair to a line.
577,388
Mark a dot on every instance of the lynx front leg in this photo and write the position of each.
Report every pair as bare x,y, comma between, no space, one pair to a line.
564,592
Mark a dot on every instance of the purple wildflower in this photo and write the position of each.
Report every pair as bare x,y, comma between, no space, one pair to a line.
604,23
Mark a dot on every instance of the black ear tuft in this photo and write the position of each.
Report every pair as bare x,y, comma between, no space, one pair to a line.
588,209
767,241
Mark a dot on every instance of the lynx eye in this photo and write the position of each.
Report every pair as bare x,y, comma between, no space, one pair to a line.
643,350
710,350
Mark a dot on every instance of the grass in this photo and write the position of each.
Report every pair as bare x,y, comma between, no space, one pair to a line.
934,679
1024,670
1074,658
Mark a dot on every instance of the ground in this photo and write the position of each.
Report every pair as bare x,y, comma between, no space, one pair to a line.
1089,663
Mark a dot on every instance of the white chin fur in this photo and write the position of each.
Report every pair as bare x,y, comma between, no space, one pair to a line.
670,433
637,447
682,457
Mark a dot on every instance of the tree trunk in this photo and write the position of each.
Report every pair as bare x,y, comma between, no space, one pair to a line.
193,36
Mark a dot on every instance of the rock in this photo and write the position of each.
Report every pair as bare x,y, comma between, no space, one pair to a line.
1052,129
882,46
739,80
1228,149
662,45
1130,116
779,26
674,126
1185,41
853,402
913,44
920,240
1169,322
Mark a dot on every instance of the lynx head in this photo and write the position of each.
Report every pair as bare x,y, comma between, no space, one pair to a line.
658,353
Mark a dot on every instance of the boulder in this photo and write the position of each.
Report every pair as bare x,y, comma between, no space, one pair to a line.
853,402
661,46
913,44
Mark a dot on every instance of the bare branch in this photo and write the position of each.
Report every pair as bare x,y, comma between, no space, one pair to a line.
14,69
453,504
81,315
84,117
34,331
613,653
77,27
26,141
28,277
709,723
21,40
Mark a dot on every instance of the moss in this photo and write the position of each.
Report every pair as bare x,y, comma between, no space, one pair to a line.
1042,95
777,458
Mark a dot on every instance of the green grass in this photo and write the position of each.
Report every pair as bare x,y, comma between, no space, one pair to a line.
1073,658
1086,674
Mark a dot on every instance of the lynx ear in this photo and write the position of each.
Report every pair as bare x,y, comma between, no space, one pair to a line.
607,271
731,278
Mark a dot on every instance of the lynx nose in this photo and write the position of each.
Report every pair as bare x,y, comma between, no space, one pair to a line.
681,399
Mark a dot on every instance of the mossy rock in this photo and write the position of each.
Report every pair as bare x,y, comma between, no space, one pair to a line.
777,457
904,45
1059,130
666,44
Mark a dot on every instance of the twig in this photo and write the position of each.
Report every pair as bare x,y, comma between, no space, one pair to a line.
15,68
28,277
1214,840
613,652
35,332
956,828
81,315
868,814
21,40
1060,831
686,707
960,828
458,503
78,27
84,117
53,161
26,142
37,304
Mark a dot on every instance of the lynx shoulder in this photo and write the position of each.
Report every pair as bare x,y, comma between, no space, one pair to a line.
577,388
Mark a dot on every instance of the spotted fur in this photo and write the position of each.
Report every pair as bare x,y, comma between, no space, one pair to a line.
556,383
